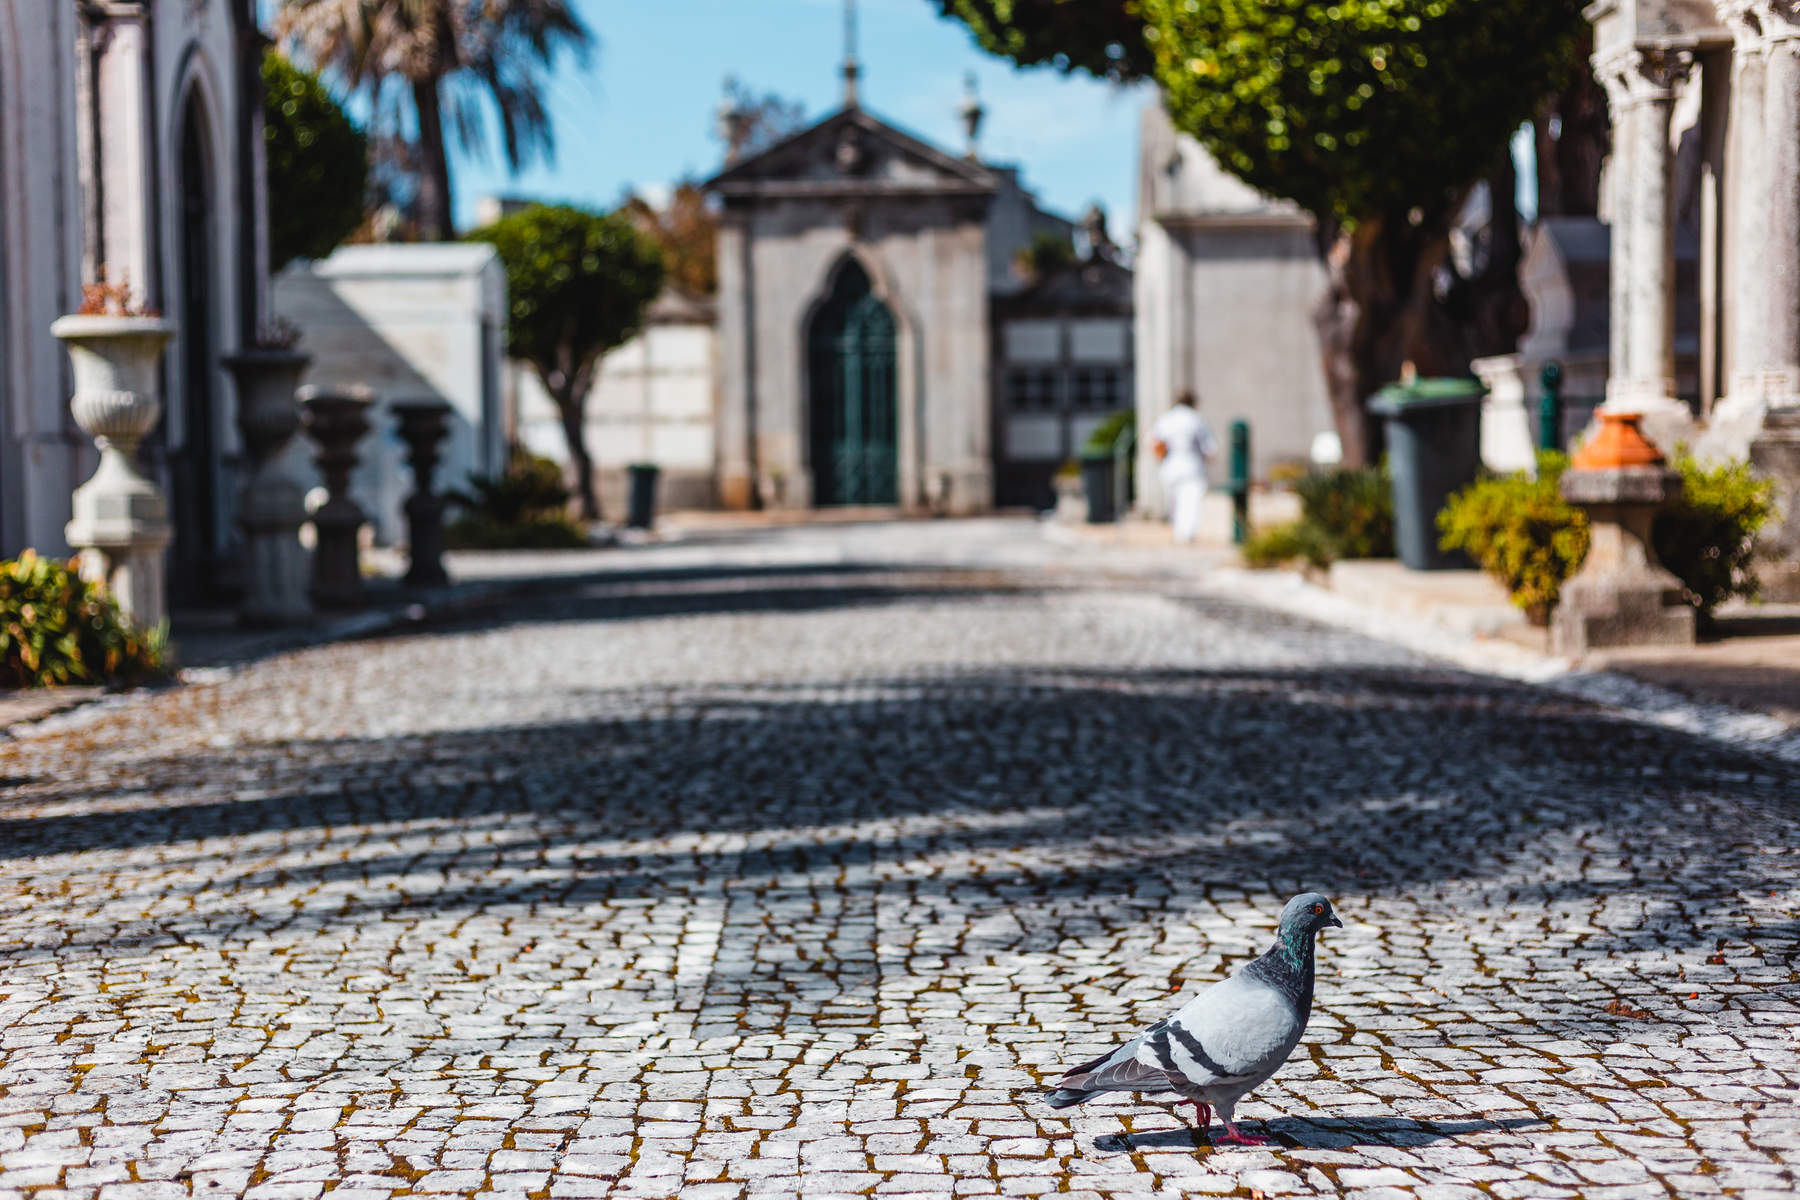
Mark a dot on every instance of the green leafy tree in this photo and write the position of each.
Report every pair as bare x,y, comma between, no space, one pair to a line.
318,164
578,285
1101,37
1378,117
451,60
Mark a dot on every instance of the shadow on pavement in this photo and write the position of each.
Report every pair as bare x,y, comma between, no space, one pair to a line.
1296,1132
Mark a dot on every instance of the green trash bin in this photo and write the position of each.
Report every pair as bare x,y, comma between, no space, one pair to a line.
1434,450
640,513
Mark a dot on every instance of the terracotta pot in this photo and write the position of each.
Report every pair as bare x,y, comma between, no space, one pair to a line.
1620,442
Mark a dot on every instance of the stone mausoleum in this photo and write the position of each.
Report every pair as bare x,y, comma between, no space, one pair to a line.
867,354
131,150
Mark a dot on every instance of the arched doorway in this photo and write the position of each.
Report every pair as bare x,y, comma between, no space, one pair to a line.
855,426
193,466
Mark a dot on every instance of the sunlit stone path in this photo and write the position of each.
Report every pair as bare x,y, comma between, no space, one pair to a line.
794,863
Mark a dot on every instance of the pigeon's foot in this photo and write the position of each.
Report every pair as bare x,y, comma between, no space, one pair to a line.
1233,1135
1202,1113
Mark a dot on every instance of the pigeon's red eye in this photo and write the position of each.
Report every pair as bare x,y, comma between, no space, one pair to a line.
1318,908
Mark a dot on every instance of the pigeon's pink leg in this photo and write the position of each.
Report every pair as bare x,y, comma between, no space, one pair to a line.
1202,1113
1241,1139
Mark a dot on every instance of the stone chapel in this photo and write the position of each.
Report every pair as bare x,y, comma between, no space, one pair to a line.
877,346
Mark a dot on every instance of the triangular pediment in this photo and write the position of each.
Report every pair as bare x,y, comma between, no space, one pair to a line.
851,151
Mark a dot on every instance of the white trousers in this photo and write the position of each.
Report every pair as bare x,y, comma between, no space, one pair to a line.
1187,496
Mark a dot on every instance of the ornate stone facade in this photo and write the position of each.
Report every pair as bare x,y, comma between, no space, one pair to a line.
130,136
1738,63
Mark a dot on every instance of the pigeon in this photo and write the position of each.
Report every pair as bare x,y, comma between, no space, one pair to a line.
1226,1040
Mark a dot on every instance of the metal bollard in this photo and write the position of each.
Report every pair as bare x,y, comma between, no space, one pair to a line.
1240,481
1550,408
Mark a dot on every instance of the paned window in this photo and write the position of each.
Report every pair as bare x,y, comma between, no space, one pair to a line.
1031,389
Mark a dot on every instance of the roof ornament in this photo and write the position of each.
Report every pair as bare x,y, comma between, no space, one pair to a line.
971,113
851,69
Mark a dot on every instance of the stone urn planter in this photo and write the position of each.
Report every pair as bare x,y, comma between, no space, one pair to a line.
1621,596
120,519
423,424
273,504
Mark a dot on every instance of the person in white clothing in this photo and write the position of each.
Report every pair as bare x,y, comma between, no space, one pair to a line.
1183,443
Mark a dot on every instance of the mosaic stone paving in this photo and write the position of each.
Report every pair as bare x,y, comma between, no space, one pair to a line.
799,874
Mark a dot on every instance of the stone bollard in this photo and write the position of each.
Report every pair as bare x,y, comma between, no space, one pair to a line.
423,424
1775,454
336,419
119,519
273,505
1622,596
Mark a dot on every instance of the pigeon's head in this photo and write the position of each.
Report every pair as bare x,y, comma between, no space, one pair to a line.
1305,915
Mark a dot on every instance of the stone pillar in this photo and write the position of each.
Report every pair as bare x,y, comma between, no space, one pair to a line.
1775,455
120,520
273,506
119,181
1746,234
1781,201
1647,80
336,419
423,424
1622,596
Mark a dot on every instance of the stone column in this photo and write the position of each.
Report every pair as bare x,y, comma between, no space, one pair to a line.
337,418
1649,79
120,180
423,424
1781,201
1617,203
1746,233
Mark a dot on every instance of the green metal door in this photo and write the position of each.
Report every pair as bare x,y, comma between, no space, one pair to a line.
855,438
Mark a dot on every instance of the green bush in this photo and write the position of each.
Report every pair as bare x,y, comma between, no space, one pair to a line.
524,507
57,628
1520,531
1351,511
1709,538
317,160
474,531
1279,545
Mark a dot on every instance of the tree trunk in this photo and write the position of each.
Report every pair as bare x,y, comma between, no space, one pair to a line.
435,223
1372,318
569,407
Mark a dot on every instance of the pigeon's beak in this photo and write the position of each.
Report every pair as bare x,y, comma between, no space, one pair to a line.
1334,921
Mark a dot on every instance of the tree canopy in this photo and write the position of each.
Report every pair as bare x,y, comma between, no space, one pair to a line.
688,232
1104,38
578,285
1357,108
318,164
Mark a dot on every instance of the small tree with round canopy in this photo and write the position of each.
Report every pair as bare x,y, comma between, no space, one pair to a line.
578,285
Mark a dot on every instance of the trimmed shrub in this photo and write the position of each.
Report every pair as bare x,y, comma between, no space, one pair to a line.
57,628
1708,540
1279,545
1351,510
1521,531
523,508
1105,436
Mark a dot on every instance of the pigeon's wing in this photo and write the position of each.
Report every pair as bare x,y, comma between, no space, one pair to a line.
1118,1070
1239,1030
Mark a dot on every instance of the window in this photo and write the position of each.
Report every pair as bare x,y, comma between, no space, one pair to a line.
1031,389
1097,389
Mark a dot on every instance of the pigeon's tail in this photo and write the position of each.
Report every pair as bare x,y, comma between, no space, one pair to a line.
1067,1097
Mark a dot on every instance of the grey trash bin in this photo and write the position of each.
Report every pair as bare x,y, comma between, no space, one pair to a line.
1434,450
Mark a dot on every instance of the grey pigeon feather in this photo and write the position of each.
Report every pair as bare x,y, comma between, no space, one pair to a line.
1225,1041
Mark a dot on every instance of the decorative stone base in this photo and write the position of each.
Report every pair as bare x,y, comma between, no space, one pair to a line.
1775,455
1620,610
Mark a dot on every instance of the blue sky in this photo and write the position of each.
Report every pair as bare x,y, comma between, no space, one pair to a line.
643,113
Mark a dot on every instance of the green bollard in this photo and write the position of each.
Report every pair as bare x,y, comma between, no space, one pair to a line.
1240,482
1550,408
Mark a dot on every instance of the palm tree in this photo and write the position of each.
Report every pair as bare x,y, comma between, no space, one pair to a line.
451,58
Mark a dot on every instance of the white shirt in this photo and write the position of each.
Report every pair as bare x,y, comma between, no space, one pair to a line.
1190,442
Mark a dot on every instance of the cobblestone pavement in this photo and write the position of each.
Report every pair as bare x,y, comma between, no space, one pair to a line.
800,873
